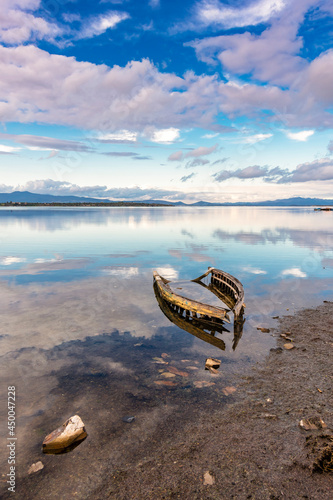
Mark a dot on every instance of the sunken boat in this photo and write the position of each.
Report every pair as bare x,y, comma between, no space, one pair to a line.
226,287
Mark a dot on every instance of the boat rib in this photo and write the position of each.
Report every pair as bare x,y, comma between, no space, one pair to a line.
221,284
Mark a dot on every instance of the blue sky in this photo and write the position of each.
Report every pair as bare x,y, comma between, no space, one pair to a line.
206,99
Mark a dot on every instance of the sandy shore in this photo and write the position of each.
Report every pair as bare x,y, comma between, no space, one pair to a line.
254,448
246,445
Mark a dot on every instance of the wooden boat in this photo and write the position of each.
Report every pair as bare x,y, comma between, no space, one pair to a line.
202,328
223,285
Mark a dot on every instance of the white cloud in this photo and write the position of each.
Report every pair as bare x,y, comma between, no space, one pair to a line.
18,25
253,139
8,261
7,149
124,272
317,170
168,272
253,270
120,136
300,136
164,136
98,25
294,271
214,12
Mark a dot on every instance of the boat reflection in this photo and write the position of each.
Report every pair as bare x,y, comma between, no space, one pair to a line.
204,328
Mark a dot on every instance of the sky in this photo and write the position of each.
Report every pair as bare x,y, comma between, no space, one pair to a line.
222,101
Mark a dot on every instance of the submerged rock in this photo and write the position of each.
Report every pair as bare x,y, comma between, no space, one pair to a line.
71,433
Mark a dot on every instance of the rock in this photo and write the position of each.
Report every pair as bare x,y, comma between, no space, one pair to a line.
72,431
312,424
35,467
168,374
208,479
263,330
159,361
276,349
228,390
288,346
128,419
192,368
168,383
202,383
173,369
269,415
212,363
165,355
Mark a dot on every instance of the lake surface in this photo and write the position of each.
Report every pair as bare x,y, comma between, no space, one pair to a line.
82,331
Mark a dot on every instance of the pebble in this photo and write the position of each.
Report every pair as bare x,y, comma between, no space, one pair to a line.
35,467
128,419
288,346
168,375
208,479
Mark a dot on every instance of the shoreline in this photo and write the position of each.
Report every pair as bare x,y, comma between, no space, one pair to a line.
256,447
250,443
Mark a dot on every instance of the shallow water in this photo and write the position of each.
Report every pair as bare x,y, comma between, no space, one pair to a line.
82,331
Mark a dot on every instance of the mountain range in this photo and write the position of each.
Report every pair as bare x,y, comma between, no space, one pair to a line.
27,197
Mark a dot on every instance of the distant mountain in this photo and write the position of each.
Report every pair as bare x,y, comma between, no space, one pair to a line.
27,197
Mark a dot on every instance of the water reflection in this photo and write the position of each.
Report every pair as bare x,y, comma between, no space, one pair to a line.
205,329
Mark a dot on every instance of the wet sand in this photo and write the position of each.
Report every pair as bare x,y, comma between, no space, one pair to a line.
250,441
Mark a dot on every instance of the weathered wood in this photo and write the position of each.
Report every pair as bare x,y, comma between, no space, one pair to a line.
194,326
189,304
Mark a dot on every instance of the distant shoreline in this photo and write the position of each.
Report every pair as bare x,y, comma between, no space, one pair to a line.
143,204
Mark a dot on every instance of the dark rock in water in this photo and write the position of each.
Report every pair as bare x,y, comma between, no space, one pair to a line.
66,437
128,419
276,349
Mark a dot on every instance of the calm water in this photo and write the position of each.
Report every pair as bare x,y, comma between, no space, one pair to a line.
82,332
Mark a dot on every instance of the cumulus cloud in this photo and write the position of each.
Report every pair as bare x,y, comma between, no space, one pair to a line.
19,25
164,136
212,12
253,270
251,172
317,170
300,136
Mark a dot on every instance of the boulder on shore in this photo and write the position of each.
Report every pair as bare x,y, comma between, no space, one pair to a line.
71,433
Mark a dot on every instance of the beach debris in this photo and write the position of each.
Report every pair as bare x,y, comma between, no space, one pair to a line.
173,369
269,415
263,330
167,383
208,479
312,423
288,346
36,467
165,355
229,390
319,390
128,419
212,363
275,317
199,384
71,432
168,374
